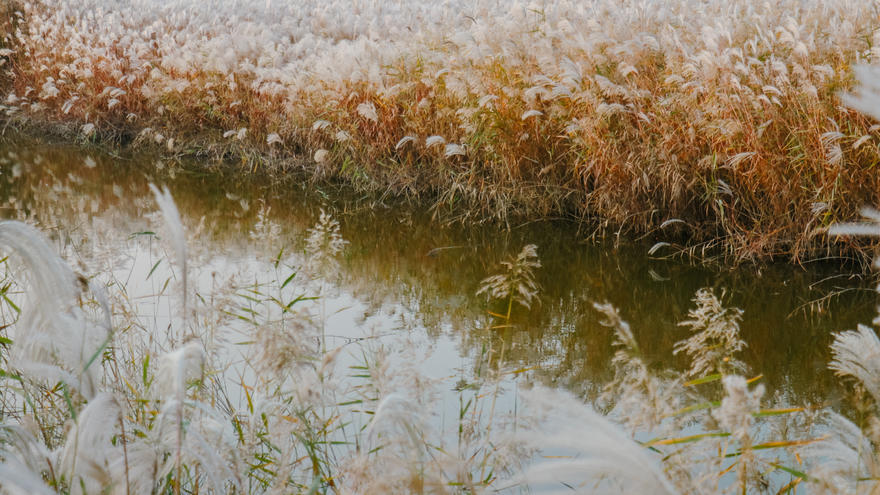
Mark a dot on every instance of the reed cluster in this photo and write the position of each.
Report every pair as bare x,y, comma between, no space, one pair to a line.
97,399
620,111
715,125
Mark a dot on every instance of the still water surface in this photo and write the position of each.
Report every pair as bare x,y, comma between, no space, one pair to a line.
405,273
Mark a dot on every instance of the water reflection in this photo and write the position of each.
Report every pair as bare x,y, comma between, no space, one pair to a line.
404,270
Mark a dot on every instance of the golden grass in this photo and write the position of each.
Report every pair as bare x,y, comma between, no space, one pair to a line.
624,115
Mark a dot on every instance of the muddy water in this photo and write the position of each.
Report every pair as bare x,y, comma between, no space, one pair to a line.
404,272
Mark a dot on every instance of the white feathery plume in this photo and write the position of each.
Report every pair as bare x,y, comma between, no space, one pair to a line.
191,437
453,149
179,367
206,443
434,141
486,100
866,98
103,301
323,244
185,432
174,225
395,451
273,138
368,111
141,461
715,336
321,156
517,281
560,91
320,125
19,480
85,457
844,459
20,442
68,105
857,354
403,141
51,278
860,141
531,95
603,458
738,158
738,405
53,339
395,417
830,141
181,435
871,228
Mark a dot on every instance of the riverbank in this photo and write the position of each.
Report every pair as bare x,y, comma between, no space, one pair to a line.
717,130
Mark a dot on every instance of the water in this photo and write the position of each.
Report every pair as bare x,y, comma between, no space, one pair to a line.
407,275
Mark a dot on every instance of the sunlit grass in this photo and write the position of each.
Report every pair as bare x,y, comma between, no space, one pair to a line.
724,116
732,131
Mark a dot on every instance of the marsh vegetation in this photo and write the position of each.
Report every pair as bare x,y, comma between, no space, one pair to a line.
715,126
186,314
339,347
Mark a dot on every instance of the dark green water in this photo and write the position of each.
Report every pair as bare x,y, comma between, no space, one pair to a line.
394,271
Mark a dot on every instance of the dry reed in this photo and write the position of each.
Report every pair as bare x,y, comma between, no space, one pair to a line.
712,125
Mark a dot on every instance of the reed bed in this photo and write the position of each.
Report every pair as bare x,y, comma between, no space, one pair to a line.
715,126
100,396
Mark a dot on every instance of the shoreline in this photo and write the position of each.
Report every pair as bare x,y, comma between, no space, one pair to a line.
281,172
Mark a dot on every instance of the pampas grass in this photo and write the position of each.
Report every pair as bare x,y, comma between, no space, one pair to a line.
724,115
186,417
124,412
84,459
715,340
845,461
516,283
176,233
599,457
19,479
857,355
56,340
